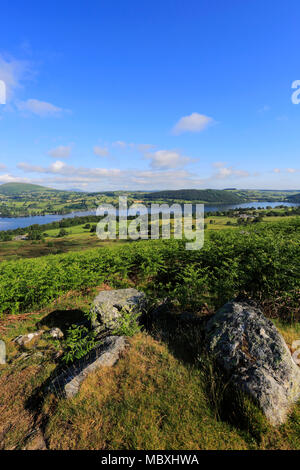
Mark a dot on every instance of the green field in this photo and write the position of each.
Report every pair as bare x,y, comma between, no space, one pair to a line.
80,238
20,199
161,394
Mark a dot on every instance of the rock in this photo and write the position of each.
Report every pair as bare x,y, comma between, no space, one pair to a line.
105,355
107,307
37,442
56,333
23,356
22,340
255,357
2,352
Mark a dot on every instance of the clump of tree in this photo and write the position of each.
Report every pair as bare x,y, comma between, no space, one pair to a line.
62,233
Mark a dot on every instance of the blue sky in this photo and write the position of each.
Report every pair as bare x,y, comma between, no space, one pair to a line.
148,95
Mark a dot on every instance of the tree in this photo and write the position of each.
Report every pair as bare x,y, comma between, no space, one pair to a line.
62,233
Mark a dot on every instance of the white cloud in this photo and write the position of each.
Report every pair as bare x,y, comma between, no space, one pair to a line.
7,178
166,159
101,151
62,151
12,73
56,167
62,168
224,171
39,108
2,166
286,170
219,164
291,170
195,122
144,147
64,176
113,178
139,147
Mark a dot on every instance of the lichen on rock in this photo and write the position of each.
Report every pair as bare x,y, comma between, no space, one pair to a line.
108,306
255,357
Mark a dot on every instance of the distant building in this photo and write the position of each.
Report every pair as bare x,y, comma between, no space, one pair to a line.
246,216
20,237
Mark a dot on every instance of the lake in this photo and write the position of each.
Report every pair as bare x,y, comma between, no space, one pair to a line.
21,222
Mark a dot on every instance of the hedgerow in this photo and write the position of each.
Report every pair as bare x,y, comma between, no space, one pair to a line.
261,262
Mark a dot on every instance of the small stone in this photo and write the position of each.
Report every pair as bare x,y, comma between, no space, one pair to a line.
56,333
22,340
37,442
23,356
2,352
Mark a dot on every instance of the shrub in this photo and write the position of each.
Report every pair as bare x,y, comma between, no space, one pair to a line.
259,261
79,342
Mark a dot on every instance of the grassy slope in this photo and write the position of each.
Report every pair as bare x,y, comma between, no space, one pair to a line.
154,398
294,198
78,239
204,195
20,188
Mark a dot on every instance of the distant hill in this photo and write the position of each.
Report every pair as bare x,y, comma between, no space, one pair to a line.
76,190
293,198
10,189
203,195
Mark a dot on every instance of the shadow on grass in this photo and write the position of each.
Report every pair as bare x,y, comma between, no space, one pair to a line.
184,335
63,319
182,332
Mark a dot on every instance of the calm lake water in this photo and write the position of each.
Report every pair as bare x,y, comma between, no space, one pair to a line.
21,222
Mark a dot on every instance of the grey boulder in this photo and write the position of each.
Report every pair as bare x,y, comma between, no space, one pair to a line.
109,306
255,357
56,333
105,355
2,352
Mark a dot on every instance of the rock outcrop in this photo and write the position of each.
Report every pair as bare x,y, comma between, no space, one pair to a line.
108,306
255,357
105,355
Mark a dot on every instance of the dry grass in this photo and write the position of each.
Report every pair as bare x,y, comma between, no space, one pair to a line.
148,401
156,397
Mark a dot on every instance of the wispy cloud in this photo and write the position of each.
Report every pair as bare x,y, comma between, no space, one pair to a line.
101,151
62,151
166,159
13,73
7,178
195,122
40,108
112,178
119,143
224,171
286,170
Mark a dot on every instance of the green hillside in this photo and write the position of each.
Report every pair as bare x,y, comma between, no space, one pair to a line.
294,198
20,188
203,195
